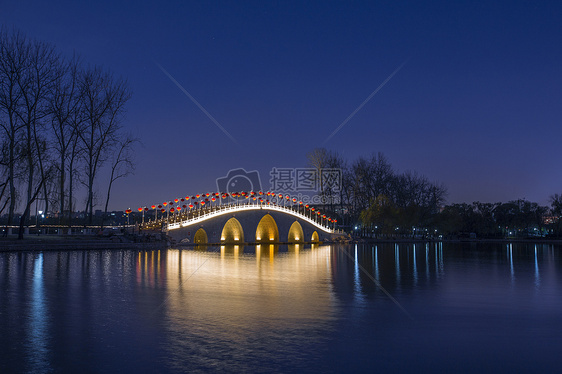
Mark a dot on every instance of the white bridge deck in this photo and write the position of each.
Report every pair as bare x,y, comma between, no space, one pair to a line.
194,217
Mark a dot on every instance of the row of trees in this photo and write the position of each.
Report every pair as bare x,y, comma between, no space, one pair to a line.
60,122
375,200
497,220
375,196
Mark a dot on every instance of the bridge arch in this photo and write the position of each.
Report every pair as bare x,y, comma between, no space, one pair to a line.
232,232
200,237
296,234
267,231
315,238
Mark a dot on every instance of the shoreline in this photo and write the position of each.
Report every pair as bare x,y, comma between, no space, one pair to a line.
61,242
413,240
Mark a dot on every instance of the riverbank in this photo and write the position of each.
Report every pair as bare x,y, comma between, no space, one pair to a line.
118,242
65,242
461,240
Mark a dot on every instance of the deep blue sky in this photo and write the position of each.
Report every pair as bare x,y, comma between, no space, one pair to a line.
478,105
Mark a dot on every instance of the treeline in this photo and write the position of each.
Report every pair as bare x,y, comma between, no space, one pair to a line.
374,197
60,122
517,218
374,200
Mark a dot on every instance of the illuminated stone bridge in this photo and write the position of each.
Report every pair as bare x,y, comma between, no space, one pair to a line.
244,217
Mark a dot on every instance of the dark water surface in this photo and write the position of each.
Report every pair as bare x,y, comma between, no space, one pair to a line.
384,308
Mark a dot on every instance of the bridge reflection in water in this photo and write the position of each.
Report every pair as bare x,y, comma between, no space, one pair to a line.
223,306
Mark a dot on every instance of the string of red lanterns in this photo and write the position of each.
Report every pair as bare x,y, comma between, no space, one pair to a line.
209,198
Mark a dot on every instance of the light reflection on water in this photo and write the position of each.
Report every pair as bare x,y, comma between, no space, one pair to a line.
38,334
269,308
235,312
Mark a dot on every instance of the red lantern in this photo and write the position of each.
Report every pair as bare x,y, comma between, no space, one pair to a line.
171,209
162,210
287,197
207,194
164,203
198,196
140,209
184,206
128,211
146,209
176,200
294,200
190,206
202,203
159,206
187,197
213,199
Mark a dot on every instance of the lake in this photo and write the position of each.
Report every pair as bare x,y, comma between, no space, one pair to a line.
436,307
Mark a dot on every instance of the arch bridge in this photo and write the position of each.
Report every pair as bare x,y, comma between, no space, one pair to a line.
243,217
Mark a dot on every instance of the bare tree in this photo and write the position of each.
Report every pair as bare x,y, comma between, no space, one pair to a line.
56,118
370,178
66,119
44,177
40,70
556,210
75,152
122,165
4,200
104,100
328,164
318,159
12,63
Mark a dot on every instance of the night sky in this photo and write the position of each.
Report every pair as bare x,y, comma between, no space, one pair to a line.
477,104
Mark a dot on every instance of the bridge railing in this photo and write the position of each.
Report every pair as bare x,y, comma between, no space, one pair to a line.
186,218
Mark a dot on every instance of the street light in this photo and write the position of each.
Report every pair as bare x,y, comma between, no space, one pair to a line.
39,213
128,211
